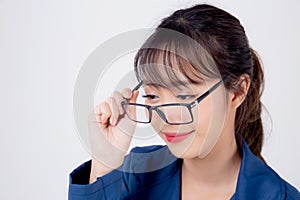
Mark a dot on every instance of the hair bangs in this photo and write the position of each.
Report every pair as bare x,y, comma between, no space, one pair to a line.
171,61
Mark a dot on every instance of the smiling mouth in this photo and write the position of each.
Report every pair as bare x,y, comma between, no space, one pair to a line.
176,137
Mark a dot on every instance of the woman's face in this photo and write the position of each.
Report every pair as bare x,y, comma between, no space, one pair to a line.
195,139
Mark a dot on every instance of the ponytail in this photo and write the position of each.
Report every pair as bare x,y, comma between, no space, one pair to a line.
248,122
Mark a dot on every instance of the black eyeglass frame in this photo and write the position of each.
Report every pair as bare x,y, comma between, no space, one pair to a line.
161,114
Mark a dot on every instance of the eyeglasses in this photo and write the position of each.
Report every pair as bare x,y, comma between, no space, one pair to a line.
167,112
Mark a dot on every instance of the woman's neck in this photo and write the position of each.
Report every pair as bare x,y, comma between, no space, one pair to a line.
218,169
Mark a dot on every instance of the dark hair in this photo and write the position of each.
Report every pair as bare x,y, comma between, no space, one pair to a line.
224,39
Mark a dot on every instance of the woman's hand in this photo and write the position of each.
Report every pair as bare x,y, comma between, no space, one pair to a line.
110,133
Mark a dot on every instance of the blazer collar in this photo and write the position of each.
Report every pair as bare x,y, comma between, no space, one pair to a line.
256,180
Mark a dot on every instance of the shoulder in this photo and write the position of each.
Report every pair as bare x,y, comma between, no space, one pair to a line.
257,180
148,158
148,165
291,192
279,185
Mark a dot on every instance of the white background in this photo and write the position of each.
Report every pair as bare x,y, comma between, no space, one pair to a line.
44,43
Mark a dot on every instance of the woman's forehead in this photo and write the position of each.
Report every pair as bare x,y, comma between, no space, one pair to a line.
169,69
165,76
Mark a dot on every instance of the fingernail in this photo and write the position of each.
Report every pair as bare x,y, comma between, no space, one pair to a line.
112,121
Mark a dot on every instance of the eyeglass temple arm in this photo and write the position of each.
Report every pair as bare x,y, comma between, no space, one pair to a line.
207,92
137,86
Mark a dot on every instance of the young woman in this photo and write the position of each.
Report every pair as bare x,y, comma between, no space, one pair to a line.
202,84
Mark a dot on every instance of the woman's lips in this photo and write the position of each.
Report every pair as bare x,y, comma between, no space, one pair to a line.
176,137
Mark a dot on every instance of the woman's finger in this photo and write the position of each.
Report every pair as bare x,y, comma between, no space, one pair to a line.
118,99
114,111
126,93
103,112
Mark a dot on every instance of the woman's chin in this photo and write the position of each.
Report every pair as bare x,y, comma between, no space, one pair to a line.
183,154
187,149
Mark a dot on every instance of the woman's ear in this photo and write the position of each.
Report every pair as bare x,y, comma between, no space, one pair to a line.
237,97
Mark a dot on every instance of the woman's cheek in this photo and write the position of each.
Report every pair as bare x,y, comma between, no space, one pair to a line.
214,123
202,116
156,122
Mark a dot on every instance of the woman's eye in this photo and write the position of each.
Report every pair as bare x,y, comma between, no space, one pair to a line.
186,97
150,96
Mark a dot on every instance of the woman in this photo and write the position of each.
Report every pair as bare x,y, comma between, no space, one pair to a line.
203,99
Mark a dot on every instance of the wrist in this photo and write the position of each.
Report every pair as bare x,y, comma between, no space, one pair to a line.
99,169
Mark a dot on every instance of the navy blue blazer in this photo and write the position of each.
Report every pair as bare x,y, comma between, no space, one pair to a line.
256,180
